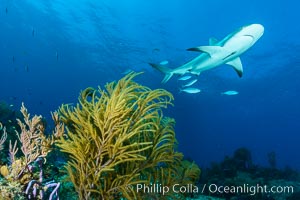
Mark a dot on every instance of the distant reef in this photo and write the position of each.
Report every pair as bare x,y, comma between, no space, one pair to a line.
238,178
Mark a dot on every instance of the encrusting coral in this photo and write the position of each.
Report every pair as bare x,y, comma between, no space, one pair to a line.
117,137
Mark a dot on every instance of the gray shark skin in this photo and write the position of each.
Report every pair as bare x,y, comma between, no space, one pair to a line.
226,51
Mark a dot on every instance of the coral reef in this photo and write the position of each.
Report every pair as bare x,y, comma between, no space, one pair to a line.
117,137
35,146
239,170
8,121
3,137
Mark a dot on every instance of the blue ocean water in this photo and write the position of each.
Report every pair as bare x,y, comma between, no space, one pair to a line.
51,50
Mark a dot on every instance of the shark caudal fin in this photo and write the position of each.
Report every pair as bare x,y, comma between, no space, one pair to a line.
162,68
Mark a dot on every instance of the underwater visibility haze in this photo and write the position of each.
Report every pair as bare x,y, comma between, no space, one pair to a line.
245,98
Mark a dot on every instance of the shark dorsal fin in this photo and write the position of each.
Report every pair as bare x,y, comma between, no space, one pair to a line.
206,49
213,41
237,66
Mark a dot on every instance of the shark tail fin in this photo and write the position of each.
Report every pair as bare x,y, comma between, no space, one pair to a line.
167,71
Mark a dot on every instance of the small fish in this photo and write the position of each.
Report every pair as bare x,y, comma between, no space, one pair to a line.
155,49
26,68
32,32
11,105
190,90
190,83
184,78
230,92
6,10
165,62
13,59
56,54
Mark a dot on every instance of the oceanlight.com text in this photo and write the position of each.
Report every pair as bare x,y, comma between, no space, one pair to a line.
246,189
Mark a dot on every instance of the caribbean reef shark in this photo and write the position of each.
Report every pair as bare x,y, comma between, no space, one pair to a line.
226,51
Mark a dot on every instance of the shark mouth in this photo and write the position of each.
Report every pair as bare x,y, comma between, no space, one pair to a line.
250,36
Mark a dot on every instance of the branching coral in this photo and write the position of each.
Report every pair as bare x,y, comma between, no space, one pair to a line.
117,138
35,146
3,137
34,142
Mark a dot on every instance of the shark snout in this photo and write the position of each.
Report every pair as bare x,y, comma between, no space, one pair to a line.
255,30
259,29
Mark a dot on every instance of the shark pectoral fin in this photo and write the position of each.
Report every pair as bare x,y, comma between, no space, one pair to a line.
237,66
206,49
213,41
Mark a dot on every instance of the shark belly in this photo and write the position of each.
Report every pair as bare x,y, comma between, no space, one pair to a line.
231,50
237,46
206,64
